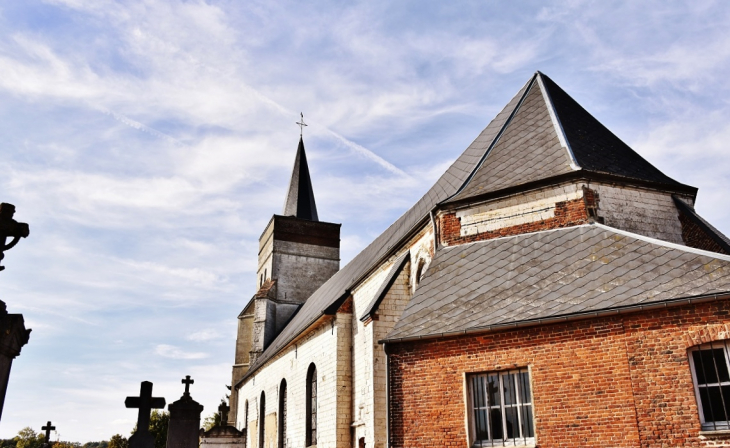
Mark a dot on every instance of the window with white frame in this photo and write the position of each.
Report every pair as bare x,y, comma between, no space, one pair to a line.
500,409
711,376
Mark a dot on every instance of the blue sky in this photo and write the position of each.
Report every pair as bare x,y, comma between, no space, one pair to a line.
148,143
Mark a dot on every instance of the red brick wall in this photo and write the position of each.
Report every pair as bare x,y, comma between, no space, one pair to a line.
620,381
567,213
694,236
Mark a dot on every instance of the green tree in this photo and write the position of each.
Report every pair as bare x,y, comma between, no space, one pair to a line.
211,421
28,438
8,443
118,441
159,421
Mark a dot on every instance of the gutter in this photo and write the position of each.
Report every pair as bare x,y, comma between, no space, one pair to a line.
581,315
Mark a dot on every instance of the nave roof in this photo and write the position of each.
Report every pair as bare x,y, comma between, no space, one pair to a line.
523,145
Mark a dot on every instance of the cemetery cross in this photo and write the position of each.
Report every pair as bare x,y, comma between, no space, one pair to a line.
187,382
145,402
48,428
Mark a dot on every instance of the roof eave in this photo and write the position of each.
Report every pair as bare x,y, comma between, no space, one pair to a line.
612,311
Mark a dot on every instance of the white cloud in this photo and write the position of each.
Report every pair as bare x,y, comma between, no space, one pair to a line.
170,351
204,335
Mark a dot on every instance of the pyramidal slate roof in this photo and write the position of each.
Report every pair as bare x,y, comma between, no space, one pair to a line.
300,196
542,158
538,276
549,134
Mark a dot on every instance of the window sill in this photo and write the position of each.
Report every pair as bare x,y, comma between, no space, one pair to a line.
712,433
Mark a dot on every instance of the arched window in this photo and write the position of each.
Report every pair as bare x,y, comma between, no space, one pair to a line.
282,414
262,418
420,270
311,405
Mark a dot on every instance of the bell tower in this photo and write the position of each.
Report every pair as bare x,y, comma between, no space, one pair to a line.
297,251
297,254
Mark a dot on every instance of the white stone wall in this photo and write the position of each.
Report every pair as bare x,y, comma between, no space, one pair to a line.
368,361
646,212
328,347
515,210
350,366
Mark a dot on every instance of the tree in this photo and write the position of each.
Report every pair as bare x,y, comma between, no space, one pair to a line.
8,443
118,441
28,438
65,445
159,421
212,421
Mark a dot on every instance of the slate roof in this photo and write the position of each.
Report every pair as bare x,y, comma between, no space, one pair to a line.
336,288
300,196
717,236
550,134
528,158
554,273
395,270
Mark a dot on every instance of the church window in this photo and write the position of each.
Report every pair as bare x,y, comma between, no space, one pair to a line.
311,421
500,409
422,265
262,418
282,414
711,377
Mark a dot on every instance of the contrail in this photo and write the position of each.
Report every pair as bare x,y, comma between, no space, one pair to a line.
139,126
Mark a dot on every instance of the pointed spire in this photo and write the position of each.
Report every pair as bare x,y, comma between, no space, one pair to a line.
300,197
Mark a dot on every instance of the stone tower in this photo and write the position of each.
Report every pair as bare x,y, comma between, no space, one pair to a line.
297,254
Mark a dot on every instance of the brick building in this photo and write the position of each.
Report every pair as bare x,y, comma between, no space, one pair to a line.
553,288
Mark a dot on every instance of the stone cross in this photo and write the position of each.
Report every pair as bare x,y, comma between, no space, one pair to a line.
145,402
48,428
187,382
10,228
223,412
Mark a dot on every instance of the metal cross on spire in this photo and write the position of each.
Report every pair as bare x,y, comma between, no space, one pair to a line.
48,428
301,125
187,382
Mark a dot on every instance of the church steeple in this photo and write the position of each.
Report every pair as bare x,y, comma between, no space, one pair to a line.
300,197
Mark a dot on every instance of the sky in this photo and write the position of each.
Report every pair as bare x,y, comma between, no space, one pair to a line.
147,143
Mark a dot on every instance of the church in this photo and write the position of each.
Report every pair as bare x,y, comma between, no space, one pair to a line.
552,288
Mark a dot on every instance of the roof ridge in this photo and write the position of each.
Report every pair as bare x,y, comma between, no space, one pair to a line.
495,140
556,122
648,239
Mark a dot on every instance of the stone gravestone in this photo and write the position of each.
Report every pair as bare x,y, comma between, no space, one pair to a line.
48,428
184,429
13,334
223,436
142,437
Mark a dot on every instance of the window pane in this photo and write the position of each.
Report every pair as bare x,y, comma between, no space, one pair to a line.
481,424
527,426
708,364
721,365
508,384
493,386
712,407
513,423
496,424
525,396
